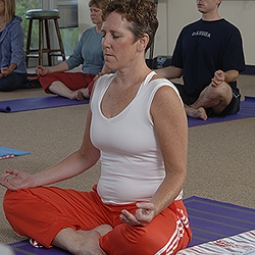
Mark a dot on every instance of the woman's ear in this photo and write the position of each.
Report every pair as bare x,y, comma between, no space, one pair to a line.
143,42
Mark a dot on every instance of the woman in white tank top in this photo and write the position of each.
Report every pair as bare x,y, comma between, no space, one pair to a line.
137,128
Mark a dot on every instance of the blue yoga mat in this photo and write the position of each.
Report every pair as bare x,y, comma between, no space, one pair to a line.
8,152
28,104
247,110
210,220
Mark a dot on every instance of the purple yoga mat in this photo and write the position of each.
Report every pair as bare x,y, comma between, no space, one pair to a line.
24,247
247,110
28,104
209,219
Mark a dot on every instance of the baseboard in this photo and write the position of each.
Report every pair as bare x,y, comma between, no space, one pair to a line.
249,70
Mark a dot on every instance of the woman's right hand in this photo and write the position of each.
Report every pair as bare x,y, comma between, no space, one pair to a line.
41,70
14,179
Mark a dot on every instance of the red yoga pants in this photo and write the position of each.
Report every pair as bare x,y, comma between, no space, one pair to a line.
73,81
40,213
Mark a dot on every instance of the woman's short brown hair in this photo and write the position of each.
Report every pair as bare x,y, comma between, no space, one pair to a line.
141,14
101,4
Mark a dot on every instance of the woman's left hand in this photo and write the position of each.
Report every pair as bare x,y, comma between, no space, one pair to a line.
144,215
5,71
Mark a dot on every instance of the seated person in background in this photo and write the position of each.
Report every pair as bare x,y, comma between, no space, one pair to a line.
137,127
88,52
209,55
13,73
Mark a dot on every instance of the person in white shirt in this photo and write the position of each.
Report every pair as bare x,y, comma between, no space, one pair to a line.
137,128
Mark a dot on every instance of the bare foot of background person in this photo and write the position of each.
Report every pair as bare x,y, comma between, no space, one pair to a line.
199,113
79,96
85,92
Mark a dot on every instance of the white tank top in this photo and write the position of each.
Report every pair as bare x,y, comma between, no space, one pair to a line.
132,167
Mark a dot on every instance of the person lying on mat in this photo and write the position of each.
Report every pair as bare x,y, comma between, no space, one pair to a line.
209,55
137,128
88,53
13,71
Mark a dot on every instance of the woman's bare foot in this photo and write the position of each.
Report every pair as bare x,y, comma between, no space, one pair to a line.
79,96
82,242
199,113
85,92
89,244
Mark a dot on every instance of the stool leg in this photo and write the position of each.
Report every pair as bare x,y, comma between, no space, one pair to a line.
40,42
47,34
60,40
29,39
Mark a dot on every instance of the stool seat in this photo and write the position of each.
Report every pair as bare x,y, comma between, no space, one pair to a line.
39,13
44,16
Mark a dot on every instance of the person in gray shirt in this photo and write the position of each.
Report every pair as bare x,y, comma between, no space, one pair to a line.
88,53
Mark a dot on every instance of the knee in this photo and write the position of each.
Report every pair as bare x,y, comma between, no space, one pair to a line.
134,240
11,82
4,87
141,241
223,87
13,202
222,90
8,195
9,201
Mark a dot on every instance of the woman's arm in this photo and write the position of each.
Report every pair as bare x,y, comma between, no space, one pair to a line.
61,67
74,60
74,164
17,43
171,128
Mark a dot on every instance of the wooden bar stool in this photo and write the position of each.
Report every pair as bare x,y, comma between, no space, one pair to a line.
43,16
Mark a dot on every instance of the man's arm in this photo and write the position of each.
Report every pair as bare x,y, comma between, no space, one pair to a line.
170,72
231,75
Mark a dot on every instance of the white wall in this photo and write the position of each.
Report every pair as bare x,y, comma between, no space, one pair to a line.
173,15
84,20
242,14
182,12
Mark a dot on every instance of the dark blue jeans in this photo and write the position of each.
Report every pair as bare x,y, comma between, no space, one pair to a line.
13,81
